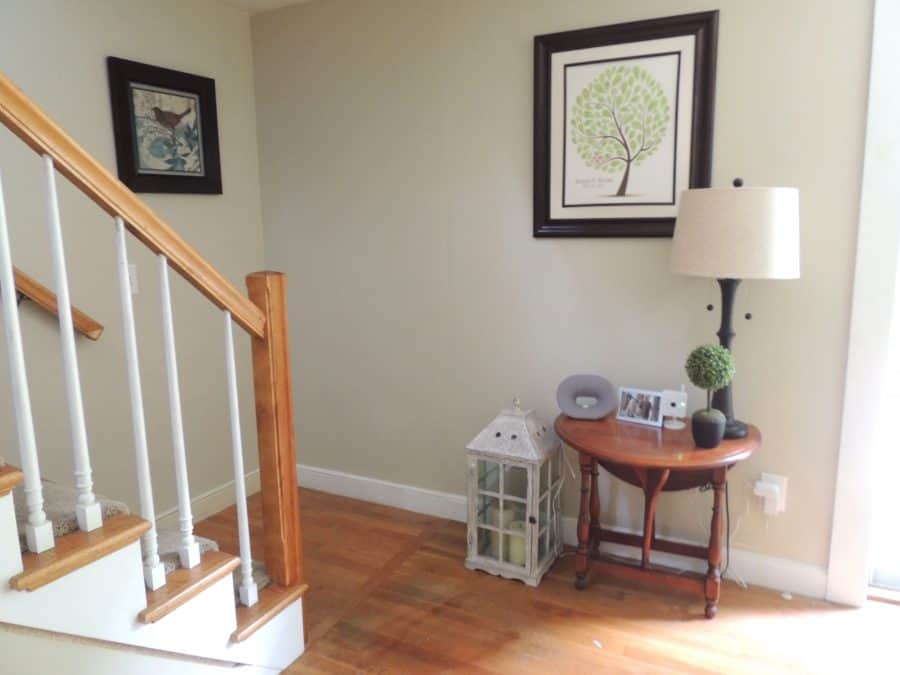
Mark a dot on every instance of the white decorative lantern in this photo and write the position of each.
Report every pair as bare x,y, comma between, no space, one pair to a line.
514,480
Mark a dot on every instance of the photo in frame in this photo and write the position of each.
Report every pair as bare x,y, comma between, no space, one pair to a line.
165,127
640,406
623,120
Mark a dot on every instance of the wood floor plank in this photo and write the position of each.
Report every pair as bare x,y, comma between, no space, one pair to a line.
388,593
184,584
76,550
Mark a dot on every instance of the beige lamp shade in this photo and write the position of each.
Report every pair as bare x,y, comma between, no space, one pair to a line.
738,233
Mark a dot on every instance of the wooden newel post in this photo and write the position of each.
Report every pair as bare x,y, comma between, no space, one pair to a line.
275,429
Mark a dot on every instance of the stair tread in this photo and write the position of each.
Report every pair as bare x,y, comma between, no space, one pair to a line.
10,477
74,551
184,584
272,600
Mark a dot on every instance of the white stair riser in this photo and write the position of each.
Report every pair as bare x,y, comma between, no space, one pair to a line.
275,645
10,555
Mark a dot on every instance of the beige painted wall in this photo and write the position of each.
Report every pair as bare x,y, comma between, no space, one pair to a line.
56,51
395,144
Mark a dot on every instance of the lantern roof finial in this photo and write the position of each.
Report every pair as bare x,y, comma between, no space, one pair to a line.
516,434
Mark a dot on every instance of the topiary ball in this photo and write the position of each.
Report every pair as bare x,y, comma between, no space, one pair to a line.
710,367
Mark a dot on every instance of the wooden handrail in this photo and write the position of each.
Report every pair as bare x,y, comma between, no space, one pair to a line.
44,298
27,121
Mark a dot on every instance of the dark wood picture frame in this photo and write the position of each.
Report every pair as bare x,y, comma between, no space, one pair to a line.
704,27
122,74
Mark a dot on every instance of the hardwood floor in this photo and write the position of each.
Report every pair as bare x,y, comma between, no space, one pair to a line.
389,594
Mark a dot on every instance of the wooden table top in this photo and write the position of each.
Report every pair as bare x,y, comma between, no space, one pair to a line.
650,447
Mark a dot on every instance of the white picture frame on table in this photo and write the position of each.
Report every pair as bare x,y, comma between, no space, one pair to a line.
640,406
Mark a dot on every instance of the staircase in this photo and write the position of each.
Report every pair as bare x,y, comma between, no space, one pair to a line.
80,571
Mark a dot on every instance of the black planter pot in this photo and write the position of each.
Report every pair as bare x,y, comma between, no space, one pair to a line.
708,428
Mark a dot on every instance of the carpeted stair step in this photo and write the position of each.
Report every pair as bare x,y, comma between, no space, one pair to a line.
59,505
168,554
260,576
168,548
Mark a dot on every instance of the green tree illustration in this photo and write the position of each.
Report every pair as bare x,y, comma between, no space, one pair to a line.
618,120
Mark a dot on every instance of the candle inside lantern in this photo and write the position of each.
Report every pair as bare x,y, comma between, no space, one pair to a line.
515,545
493,518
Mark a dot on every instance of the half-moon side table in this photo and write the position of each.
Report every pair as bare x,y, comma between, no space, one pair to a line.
654,460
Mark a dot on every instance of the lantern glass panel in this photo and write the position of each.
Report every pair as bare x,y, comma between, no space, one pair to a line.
555,468
542,546
545,477
514,515
544,513
554,523
515,481
488,510
488,544
514,546
488,475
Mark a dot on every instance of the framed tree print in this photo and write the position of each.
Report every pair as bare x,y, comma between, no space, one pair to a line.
623,122
166,129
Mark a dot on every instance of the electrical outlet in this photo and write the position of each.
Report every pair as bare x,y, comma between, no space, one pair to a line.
773,490
133,278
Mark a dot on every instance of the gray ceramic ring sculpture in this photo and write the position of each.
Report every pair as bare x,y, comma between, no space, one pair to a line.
598,397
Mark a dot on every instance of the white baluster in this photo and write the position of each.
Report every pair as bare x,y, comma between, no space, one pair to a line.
38,530
154,571
188,550
249,593
87,509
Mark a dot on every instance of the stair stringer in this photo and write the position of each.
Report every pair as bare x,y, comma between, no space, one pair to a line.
102,601
31,651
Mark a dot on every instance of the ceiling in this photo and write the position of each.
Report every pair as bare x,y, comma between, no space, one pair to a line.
256,6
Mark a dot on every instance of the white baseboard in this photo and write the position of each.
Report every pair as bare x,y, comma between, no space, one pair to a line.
209,503
420,500
753,568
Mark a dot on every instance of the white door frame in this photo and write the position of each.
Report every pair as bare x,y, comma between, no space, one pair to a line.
878,241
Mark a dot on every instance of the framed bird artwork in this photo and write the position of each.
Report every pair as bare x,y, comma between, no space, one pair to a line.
165,127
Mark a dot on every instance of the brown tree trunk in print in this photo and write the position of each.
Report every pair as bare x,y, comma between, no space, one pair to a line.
624,184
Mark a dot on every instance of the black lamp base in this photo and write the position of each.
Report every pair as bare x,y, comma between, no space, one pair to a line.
735,429
721,399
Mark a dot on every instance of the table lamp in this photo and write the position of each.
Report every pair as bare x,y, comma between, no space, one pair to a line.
732,234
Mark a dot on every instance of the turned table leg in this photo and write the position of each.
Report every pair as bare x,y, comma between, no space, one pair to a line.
653,485
595,508
584,522
713,576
